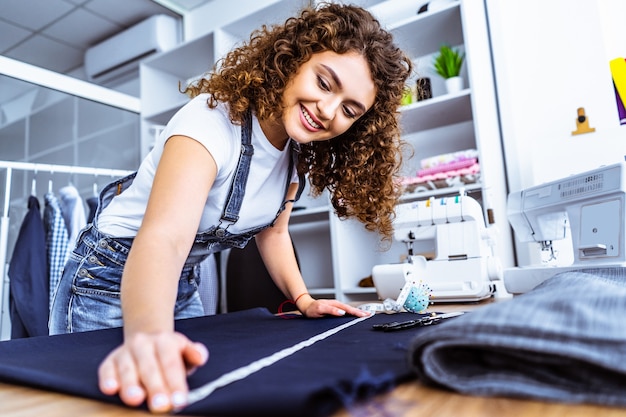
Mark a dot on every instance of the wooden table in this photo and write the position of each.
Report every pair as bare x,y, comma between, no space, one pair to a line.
407,400
411,399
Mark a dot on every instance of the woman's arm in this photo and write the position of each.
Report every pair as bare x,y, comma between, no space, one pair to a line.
276,249
181,185
153,359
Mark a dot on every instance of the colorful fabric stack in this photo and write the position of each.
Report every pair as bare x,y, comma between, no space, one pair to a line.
446,170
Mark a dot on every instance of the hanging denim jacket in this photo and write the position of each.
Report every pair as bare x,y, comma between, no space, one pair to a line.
88,296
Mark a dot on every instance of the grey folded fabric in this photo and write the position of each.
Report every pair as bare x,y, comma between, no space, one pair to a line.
563,341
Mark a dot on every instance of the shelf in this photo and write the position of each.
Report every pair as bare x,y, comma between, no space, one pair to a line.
309,215
422,34
164,116
423,195
322,291
359,290
312,242
436,112
163,76
275,13
187,61
309,226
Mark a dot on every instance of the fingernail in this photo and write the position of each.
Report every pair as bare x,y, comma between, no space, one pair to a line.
203,351
179,399
341,312
159,401
109,384
133,391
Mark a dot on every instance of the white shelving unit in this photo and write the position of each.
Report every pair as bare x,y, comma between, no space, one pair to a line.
334,254
445,123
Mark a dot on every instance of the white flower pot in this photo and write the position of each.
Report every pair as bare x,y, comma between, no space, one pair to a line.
454,84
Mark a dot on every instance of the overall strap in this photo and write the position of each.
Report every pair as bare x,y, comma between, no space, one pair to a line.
293,165
238,185
234,199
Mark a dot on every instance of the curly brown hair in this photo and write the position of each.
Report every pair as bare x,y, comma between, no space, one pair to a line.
360,167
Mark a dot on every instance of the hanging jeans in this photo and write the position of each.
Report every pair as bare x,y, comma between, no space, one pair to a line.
88,295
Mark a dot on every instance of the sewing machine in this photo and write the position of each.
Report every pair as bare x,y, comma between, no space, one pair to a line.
587,207
449,249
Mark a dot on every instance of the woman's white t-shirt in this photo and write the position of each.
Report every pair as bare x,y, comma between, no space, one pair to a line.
212,128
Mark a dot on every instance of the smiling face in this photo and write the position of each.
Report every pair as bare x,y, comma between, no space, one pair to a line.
324,98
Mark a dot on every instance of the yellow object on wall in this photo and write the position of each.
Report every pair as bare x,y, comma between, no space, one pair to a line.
618,71
582,123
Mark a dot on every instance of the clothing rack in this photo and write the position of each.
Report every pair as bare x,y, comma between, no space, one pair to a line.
9,166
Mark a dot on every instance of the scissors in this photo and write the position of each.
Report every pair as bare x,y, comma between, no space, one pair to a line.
421,322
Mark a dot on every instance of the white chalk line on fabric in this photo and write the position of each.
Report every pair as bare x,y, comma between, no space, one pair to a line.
238,374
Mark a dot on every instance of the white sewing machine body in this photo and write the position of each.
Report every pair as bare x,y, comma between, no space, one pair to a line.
449,248
591,205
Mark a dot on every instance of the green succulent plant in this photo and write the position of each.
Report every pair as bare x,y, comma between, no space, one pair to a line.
448,62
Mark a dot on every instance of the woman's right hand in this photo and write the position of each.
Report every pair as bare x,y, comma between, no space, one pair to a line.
152,367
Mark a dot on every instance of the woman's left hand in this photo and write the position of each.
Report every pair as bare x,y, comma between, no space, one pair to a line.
313,308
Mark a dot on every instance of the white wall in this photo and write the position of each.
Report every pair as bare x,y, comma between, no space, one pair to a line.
552,57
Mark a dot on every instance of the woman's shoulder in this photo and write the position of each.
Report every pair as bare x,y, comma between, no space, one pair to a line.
198,118
200,105
210,126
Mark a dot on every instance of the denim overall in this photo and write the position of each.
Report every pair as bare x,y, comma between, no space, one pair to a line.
88,294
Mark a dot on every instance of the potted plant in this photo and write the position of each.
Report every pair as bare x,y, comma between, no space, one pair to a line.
447,64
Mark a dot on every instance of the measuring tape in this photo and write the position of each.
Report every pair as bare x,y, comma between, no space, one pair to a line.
238,374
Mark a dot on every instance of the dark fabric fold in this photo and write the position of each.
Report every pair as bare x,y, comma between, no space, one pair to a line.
339,371
563,341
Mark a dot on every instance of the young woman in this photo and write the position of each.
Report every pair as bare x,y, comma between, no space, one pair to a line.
318,96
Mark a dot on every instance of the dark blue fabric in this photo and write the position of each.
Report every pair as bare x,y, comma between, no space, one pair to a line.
28,277
353,364
563,341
